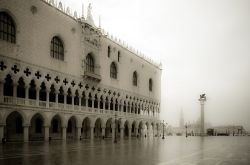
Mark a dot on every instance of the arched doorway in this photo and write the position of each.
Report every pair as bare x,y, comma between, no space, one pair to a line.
141,129
8,86
56,128
71,128
86,128
21,88
98,128
133,130
36,131
126,129
108,129
14,127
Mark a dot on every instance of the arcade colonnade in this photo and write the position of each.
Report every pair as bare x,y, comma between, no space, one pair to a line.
29,125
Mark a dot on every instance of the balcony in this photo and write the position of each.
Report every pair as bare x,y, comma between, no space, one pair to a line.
92,73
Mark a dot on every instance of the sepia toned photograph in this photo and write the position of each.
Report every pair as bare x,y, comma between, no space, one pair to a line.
115,82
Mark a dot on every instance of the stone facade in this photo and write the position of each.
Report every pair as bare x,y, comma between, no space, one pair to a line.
61,77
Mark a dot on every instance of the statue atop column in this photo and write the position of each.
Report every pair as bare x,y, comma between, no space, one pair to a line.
203,97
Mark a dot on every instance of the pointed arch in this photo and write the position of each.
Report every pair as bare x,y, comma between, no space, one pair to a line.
113,70
90,63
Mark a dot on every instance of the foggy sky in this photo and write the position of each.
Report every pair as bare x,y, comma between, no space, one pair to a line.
204,47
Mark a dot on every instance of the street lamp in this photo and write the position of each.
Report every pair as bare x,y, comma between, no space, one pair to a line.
163,130
186,130
115,140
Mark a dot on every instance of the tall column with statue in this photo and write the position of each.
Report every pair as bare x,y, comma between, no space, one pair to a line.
202,100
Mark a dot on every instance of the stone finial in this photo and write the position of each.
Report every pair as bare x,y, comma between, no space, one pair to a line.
82,11
60,6
99,21
68,11
75,14
90,19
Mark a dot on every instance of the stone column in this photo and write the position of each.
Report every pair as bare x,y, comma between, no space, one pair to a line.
121,108
1,132
114,105
14,89
108,105
103,104
26,133
87,101
202,131
80,103
153,131
202,102
93,102
158,132
136,131
129,132
26,94
64,133
46,133
1,90
37,95
78,133
98,103
113,130
91,132
64,100
56,92
73,101
121,133
103,131
47,98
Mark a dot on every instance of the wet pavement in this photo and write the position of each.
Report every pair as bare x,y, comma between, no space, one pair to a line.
171,151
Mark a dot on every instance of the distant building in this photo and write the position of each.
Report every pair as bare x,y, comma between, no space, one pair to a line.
230,130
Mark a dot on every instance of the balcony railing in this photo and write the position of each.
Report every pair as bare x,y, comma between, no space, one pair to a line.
93,74
42,103
32,102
